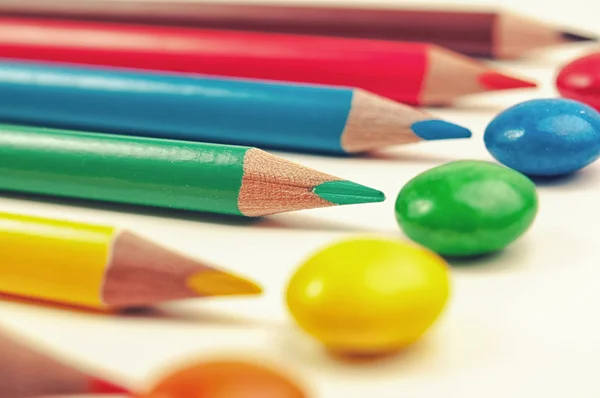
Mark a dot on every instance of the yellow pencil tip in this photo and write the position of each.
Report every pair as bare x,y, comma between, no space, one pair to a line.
218,283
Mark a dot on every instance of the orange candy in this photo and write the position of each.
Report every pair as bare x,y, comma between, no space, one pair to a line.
225,379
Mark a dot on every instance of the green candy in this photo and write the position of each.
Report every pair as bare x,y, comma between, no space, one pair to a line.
467,208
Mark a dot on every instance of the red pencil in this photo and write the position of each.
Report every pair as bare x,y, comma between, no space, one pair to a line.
413,73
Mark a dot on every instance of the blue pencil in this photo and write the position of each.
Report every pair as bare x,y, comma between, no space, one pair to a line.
294,117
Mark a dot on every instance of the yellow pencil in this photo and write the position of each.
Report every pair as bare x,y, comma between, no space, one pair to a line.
101,267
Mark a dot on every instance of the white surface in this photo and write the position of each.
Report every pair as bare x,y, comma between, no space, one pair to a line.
520,324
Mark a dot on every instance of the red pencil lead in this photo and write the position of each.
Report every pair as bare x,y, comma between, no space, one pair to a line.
104,387
493,80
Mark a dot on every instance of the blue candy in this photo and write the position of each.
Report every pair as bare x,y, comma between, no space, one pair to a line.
545,137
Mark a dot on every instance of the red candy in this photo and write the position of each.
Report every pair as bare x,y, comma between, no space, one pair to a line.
225,379
580,80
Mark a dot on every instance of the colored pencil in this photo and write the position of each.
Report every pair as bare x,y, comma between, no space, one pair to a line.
109,395
580,79
165,173
282,116
413,73
101,267
28,371
476,33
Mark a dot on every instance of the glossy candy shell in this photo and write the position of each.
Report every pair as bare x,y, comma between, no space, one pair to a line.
225,379
466,208
580,80
545,137
368,295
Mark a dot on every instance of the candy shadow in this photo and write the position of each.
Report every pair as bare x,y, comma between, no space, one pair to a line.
509,259
473,341
551,181
294,344
473,261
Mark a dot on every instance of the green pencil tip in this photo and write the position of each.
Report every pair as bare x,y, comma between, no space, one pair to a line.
342,192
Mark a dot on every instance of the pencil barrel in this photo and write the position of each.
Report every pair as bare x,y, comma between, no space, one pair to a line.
132,170
395,70
194,108
53,260
462,31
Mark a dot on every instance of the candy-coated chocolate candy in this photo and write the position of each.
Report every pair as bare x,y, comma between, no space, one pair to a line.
545,137
467,207
580,80
368,295
225,379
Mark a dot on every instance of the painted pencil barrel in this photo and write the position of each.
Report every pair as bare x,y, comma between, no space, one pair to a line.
195,108
53,260
476,33
134,170
392,69
100,267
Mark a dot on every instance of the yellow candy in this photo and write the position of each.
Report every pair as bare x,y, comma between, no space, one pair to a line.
369,295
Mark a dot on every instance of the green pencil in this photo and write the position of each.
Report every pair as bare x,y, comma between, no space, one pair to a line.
166,173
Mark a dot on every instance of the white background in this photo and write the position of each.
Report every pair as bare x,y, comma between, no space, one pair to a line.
523,323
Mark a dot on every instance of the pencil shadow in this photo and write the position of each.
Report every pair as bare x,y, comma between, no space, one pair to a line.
52,305
471,105
184,316
163,313
303,222
405,156
280,221
187,215
554,56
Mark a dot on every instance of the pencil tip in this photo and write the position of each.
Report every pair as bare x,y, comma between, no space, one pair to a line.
435,129
106,387
343,192
493,80
218,283
575,37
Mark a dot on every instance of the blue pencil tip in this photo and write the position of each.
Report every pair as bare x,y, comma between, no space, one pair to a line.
434,129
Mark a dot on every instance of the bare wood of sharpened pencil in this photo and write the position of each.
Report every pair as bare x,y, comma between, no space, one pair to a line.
143,273
28,373
449,76
513,35
289,185
376,122
452,75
